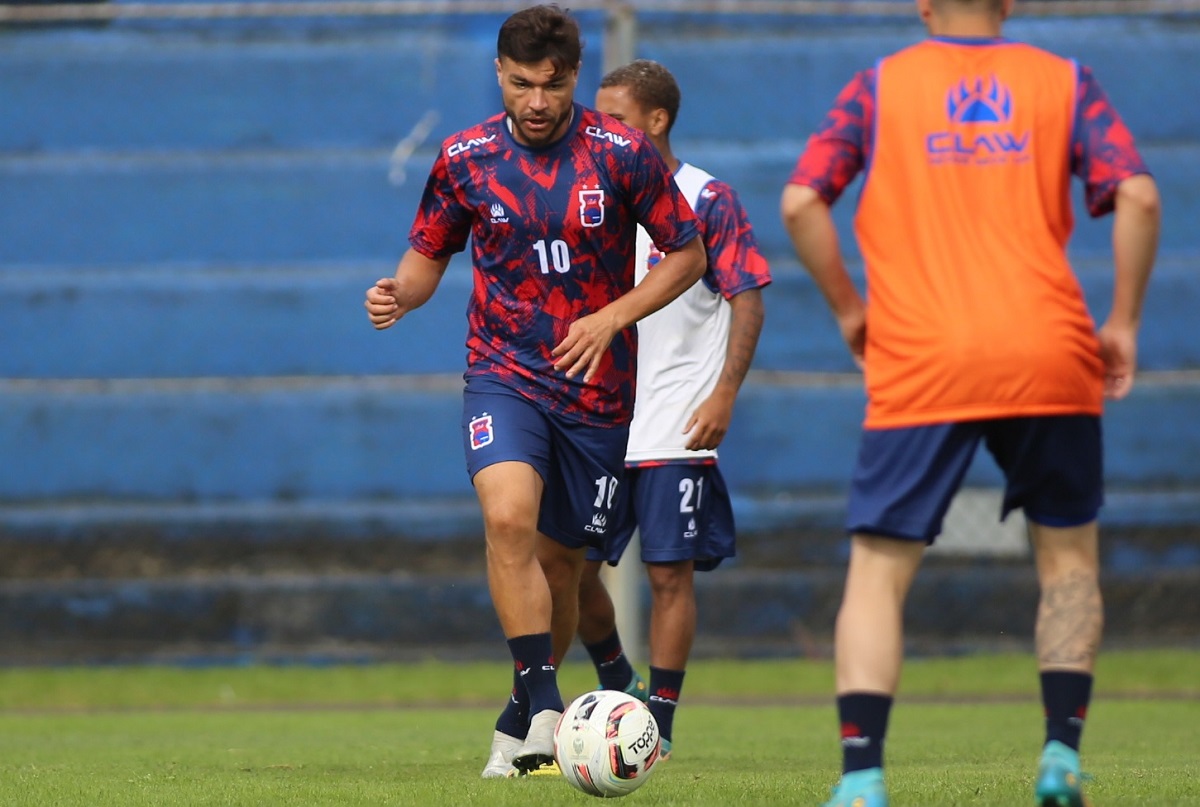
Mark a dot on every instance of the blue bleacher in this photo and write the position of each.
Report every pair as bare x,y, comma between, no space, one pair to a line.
190,213
180,206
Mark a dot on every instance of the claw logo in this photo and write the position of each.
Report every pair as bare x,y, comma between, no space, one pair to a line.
982,102
981,132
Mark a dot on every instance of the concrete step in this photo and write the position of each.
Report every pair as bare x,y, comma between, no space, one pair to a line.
341,84
270,206
270,320
1142,530
400,615
385,438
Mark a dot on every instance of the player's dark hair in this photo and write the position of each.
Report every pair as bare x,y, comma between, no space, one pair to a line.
994,6
541,32
650,84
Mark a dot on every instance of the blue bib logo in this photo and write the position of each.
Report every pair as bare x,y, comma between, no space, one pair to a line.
980,113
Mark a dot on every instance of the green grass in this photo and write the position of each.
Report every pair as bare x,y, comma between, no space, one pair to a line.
965,732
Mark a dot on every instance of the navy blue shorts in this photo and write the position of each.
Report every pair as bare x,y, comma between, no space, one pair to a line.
905,478
580,465
682,512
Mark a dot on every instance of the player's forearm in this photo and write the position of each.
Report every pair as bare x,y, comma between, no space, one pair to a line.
677,272
1136,226
417,278
745,327
810,226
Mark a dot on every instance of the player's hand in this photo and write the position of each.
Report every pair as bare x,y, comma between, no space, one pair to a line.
709,424
853,326
584,347
383,304
1118,348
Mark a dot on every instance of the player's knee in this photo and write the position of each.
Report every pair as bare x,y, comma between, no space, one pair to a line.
670,580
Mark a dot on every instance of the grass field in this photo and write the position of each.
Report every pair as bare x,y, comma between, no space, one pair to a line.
965,732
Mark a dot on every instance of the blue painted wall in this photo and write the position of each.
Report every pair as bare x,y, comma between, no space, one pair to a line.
210,203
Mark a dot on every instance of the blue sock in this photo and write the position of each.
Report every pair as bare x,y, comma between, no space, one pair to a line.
864,719
534,658
1065,696
514,720
665,686
612,667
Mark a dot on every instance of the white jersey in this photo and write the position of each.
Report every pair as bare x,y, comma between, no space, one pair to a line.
681,352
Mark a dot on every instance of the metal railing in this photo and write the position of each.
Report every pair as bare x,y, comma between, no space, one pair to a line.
237,9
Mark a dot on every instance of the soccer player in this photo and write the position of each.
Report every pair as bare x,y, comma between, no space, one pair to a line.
551,194
692,358
975,330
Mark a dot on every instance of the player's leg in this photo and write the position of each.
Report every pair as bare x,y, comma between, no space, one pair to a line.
1069,625
575,510
1054,470
508,493
563,568
902,486
510,731
672,632
507,474
597,614
869,644
687,525
600,637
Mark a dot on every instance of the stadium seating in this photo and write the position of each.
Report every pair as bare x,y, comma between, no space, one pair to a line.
190,212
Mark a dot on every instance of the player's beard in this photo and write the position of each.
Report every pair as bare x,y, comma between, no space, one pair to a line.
548,134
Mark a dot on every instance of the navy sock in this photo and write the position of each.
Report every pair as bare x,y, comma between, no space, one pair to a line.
612,667
534,657
864,719
665,686
1065,696
514,720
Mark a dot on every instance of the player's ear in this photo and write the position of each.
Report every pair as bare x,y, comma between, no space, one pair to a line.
499,76
658,122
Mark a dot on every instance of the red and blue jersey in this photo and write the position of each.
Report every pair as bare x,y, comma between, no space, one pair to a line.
553,238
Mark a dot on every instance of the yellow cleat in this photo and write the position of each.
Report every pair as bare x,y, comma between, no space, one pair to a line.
547,769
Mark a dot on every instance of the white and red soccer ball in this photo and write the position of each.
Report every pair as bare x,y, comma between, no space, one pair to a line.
607,743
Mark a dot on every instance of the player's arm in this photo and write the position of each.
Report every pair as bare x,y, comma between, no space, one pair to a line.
835,154
1116,178
416,278
589,337
440,229
708,425
809,223
1135,244
738,271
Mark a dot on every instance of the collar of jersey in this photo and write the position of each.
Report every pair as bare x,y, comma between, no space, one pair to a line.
972,40
576,116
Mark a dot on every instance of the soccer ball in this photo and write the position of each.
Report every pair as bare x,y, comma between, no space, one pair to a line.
607,743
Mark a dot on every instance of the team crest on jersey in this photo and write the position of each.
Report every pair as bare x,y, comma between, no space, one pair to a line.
481,431
653,256
591,207
499,216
